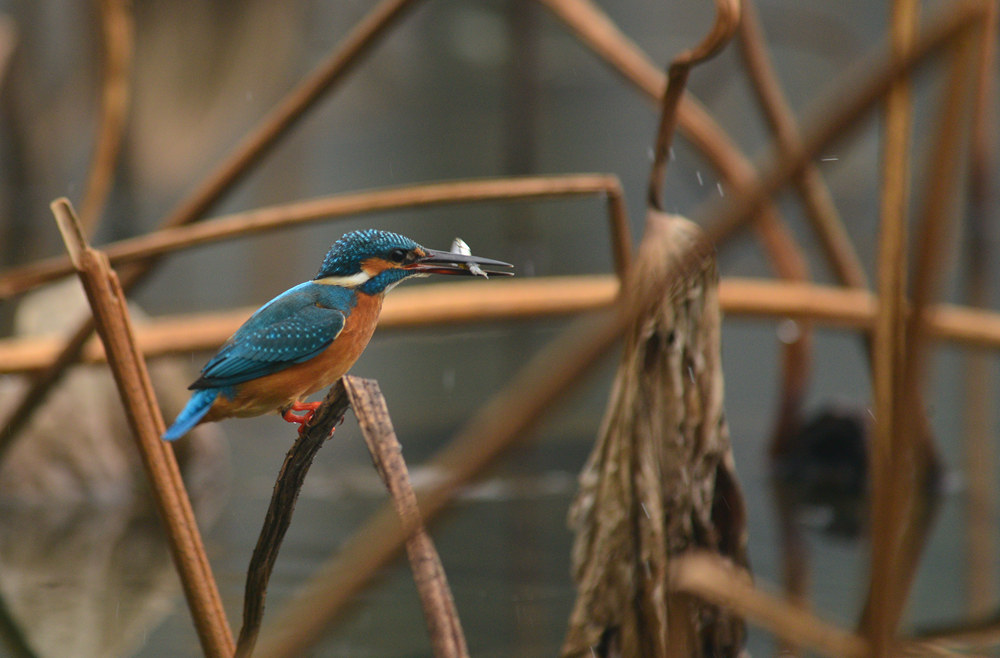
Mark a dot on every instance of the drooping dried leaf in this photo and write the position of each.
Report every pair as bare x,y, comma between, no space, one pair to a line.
661,479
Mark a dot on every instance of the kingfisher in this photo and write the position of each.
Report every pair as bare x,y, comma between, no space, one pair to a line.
310,335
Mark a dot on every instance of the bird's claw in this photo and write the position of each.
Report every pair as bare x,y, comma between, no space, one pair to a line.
301,419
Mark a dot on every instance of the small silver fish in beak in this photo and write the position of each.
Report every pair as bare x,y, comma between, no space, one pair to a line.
456,262
458,246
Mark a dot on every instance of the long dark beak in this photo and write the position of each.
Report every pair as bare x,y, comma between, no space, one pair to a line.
446,262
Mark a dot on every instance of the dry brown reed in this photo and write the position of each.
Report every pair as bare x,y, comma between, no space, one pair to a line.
110,312
980,383
118,34
443,624
146,248
448,304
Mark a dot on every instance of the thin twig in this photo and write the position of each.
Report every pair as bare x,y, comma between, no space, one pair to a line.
979,632
716,579
727,18
857,94
854,309
887,513
8,42
279,513
118,30
416,306
67,354
979,380
443,304
348,52
144,248
839,250
443,623
916,460
114,327
600,34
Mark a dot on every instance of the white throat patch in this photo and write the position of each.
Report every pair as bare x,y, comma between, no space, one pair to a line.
350,281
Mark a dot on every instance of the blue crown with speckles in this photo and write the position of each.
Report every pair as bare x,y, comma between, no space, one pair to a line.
346,254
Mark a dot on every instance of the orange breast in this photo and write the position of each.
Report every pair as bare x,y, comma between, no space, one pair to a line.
275,391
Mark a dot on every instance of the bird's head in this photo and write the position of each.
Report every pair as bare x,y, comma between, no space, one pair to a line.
374,261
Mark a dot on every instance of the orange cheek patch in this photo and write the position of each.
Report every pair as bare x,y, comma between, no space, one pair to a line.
375,266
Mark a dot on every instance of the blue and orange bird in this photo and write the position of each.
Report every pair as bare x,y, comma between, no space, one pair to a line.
309,336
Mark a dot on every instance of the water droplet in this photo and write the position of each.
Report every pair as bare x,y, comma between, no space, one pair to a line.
788,331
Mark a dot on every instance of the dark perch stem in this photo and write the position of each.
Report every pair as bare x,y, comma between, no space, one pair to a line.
443,623
107,302
369,406
279,512
498,426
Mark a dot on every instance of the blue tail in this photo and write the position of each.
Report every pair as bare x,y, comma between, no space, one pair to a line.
199,404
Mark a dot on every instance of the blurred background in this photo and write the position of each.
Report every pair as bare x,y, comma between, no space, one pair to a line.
458,89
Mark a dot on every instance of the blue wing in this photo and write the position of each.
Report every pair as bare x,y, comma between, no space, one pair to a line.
293,327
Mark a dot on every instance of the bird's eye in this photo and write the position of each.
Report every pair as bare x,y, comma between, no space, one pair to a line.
397,255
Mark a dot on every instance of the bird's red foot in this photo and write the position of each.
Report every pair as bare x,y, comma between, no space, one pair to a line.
308,407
